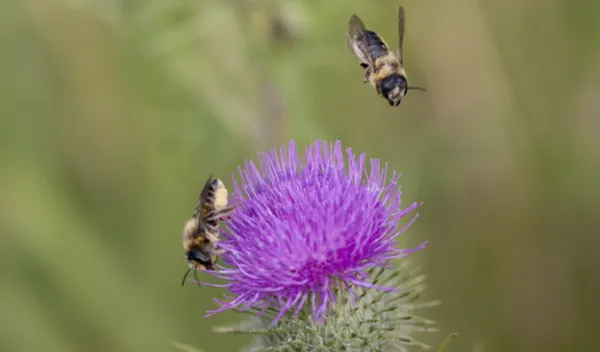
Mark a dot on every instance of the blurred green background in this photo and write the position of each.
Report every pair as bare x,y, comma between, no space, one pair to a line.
113,113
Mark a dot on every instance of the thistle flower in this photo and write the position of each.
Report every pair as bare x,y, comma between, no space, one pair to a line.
309,231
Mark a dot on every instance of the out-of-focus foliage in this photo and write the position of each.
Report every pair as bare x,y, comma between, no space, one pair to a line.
113,113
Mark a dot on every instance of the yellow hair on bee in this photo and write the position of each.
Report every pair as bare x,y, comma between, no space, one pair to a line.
221,196
189,228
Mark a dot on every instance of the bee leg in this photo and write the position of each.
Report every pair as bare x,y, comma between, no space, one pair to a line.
226,212
367,74
212,237
196,277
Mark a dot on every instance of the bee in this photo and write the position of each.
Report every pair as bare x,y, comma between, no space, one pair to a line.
384,69
201,232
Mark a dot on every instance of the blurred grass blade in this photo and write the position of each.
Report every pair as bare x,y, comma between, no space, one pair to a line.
447,341
186,348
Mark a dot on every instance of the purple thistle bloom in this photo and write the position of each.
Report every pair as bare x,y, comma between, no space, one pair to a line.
308,228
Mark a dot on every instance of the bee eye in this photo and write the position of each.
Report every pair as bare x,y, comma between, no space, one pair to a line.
394,81
198,257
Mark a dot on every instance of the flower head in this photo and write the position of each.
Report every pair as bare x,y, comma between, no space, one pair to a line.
306,228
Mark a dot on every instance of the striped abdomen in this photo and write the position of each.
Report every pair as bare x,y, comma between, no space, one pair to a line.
376,46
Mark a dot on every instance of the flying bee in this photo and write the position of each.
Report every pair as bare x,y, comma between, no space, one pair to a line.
384,69
201,232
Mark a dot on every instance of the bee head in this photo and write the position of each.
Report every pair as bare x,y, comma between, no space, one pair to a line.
199,260
394,88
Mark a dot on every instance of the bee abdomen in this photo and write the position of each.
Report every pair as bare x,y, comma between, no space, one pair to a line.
376,45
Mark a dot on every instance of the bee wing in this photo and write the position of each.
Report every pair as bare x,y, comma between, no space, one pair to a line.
400,33
201,200
357,41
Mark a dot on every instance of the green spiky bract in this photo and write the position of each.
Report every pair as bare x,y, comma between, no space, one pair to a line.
374,320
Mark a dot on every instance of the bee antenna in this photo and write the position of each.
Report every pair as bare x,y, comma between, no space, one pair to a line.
184,276
417,88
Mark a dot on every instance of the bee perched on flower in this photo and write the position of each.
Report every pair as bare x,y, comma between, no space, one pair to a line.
307,228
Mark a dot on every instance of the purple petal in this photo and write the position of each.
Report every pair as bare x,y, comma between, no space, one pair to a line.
307,227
